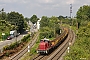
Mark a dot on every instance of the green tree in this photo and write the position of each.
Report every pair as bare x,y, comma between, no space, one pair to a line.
83,15
60,17
27,19
34,19
83,12
2,14
45,30
88,13
16,19
49,27
44,21
54,21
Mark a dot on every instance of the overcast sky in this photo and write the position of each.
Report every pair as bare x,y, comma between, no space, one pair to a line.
43,7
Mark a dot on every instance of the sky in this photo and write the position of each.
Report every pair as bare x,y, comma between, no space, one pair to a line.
41,8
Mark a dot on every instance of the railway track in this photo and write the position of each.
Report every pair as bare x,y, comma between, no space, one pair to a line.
25,49
62,48
56,54
38,57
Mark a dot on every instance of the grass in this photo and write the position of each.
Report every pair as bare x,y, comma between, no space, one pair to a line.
51,38
5,30
29,55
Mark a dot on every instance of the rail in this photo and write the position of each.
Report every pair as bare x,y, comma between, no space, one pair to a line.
25,49
62,48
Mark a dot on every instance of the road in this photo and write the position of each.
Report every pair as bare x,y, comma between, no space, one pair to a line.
8,42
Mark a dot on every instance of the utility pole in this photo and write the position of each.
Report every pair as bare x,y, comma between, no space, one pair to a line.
16,33
15,28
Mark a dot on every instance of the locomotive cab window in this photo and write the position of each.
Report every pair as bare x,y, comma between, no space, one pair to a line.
41,40
45,41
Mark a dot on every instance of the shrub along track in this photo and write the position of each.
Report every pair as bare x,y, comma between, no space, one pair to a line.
58,52
25,49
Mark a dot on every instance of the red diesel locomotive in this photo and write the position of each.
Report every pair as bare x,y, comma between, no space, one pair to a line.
46,45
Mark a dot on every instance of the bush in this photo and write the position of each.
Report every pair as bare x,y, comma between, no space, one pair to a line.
6,48
11,46
7,54
81,47
16,44
25,39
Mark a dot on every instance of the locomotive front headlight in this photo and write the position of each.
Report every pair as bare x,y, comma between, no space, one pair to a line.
37,51
46,51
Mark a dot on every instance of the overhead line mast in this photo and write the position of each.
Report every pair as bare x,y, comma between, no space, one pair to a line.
70,10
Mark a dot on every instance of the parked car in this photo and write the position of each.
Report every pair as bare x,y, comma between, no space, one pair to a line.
9,38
